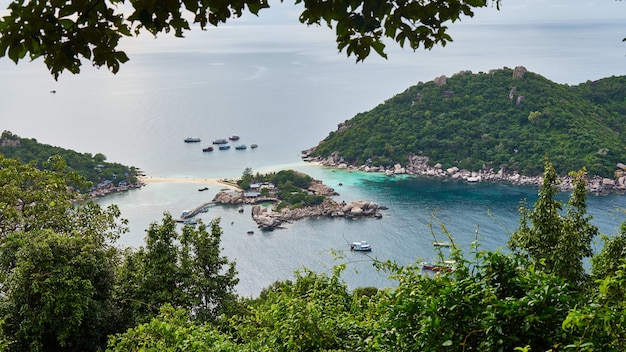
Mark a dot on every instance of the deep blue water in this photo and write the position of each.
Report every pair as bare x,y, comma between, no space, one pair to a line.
286,90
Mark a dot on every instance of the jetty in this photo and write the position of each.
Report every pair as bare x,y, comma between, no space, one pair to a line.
203,208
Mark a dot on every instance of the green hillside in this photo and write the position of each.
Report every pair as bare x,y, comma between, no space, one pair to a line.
492,120
94,168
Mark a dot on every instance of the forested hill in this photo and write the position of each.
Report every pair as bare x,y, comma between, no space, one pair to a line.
504,118
94,168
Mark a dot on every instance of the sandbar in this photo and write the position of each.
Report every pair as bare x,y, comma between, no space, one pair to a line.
192,180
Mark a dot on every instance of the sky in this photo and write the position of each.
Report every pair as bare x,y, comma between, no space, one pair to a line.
278,29
285,15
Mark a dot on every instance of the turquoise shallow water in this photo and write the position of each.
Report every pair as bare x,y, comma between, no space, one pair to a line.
417,207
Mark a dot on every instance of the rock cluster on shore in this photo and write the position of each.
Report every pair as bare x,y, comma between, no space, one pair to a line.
418,165
267,219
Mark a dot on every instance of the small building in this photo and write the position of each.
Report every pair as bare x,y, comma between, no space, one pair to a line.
251,194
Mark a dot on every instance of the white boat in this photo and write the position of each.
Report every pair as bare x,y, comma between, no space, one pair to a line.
361,246
442,244
192,140
253,145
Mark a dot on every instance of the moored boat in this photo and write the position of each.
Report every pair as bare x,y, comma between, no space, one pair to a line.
224,147
191,222
442,244
253,145
360,246
192,140
447,266
207,149
241,147
220,141
234,137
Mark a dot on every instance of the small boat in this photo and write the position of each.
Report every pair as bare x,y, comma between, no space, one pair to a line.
250,232
253,145
203,189
191,222
234,137
220,141
240,210
224,147
207,149
361,246
192,140
241,147
442,244
447,266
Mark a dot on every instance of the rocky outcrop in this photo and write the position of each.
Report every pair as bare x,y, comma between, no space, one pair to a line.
6,142
266,218
419,165
440,81
229,197
519,72
317,187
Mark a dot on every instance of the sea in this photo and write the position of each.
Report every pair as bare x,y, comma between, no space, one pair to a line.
285,87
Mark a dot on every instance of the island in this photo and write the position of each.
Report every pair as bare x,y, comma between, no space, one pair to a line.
500,125
294,196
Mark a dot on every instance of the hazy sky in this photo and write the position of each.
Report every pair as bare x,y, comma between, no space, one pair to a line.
278,29
511,11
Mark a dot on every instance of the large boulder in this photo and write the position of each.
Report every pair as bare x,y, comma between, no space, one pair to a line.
440,81
519,72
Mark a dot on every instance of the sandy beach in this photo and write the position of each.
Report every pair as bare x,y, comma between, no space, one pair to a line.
193,180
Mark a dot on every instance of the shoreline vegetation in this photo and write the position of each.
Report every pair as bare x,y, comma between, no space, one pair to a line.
296,196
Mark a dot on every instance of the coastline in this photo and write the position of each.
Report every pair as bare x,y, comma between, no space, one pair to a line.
191,180
418,165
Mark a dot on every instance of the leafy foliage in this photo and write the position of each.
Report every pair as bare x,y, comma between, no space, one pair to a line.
94,168
57,262
58,291
314,312
65,287
600,324
474,121
184,270
172,330
501,303
290,187
65,32
554,241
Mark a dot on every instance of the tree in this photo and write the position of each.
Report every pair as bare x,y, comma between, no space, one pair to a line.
172,330
315,312
183,270
607,263
64,32
57,291
497,303
557,242
57,261
599,324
